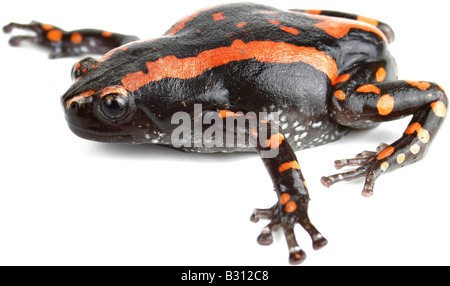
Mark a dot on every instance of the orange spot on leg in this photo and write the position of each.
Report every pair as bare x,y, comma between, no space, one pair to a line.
385,104
46,27
288,165
275,140
419,84
413,128
240,25
342,78
106,34
368,88
290,207
380,74
54,35
385,153
339,94
284,198
76,38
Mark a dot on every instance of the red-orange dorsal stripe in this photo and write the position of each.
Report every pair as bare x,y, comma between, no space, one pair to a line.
263,51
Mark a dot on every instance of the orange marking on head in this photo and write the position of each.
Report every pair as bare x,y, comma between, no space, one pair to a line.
275,140
342,78
227,113
288,165
439,108
368,88
54,35
80,97
419,84
275,22
218,16
284,198
339,27
290,207
385,104
114,89
46,27
367,20
76,38
267,12
385,153
380,74
262,51
107,34
240,25
339,94
291,30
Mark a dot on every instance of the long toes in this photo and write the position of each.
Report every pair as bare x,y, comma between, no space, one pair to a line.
261,214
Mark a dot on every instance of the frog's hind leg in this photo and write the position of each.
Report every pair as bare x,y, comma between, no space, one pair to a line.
63,43
384,101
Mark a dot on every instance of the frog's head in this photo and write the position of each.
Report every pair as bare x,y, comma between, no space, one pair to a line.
97,107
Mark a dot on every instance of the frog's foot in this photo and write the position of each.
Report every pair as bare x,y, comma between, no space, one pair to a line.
47,36
369,167
279,217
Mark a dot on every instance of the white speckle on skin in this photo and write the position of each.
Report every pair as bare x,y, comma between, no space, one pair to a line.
287,135
300,128
283,118
304,134
147,136
284,126
316,124
295,124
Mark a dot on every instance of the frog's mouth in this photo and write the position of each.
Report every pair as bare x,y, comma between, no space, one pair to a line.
107,137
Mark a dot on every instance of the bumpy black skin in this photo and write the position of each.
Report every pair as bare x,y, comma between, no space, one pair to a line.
315,104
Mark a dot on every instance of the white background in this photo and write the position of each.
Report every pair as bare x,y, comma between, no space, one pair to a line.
67,201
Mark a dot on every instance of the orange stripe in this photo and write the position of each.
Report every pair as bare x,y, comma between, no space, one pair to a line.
263,51
415,127
288,165
339,27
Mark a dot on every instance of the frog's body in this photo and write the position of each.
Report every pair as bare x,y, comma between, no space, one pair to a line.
316,73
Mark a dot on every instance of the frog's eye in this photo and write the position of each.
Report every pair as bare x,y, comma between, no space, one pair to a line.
114,105
83,67
114,102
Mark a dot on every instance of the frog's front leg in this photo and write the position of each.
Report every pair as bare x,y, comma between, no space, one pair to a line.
293,197
363,105
68,43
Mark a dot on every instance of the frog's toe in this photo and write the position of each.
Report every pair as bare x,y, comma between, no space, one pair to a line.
279,218
369,168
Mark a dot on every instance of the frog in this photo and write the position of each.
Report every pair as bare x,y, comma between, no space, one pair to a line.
303,77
